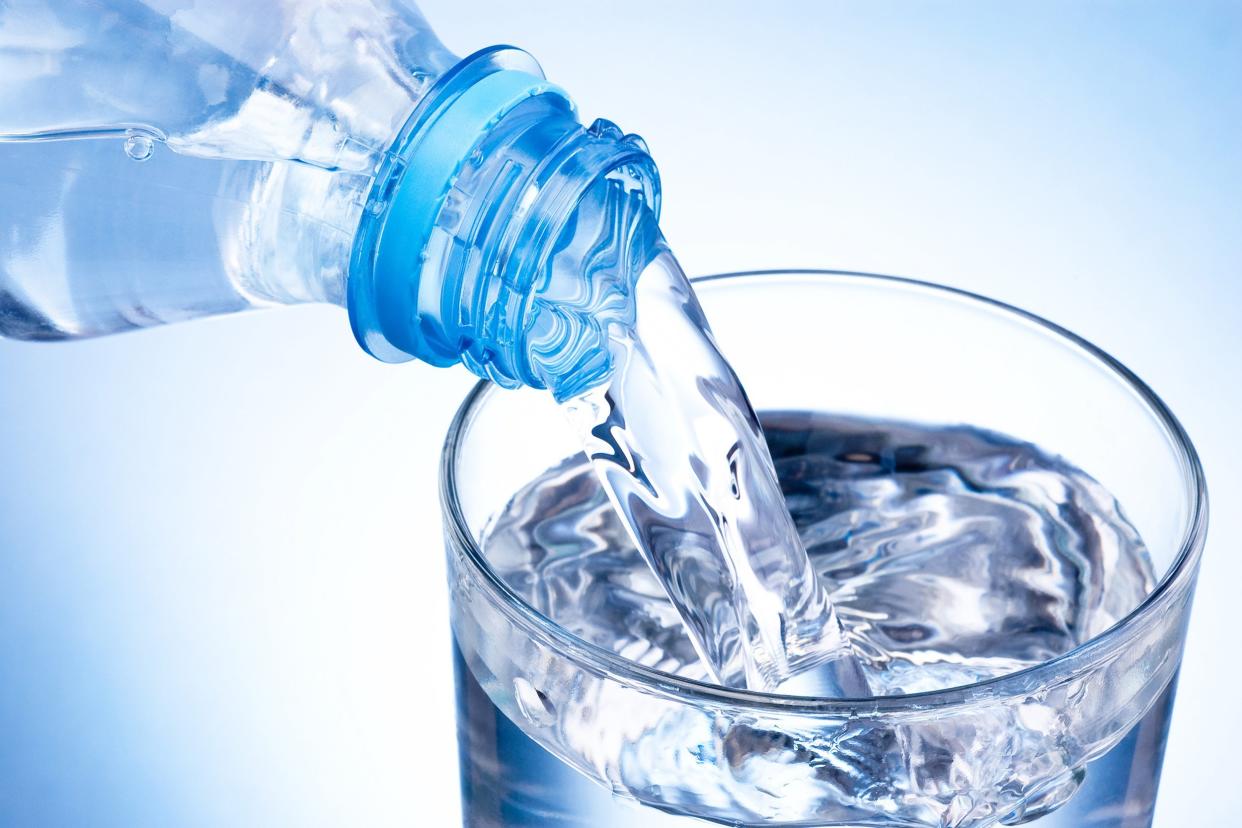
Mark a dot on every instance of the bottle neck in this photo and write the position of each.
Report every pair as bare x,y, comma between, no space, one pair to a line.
472,233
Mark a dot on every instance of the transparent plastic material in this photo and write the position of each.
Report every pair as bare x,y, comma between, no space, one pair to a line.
556,731
161,161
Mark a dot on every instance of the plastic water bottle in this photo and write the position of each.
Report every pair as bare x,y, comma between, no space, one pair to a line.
161,161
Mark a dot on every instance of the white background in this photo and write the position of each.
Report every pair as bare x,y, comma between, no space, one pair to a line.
221,586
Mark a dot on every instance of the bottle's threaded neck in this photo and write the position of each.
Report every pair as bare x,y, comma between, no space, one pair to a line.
462,228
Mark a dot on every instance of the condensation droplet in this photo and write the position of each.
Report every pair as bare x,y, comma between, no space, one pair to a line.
139,147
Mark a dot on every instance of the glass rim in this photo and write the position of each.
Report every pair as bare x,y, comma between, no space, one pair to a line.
1018,683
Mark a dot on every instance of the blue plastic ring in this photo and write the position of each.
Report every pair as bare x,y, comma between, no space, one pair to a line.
387,325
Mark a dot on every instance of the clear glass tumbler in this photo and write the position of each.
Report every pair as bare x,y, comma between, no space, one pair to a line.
557,732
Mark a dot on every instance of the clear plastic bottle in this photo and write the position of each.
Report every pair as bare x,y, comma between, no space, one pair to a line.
162,161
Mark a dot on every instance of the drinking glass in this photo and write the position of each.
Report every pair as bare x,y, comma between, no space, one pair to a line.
556,732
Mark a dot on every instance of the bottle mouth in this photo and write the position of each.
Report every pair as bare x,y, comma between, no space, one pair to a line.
464,212
551,201
1174,587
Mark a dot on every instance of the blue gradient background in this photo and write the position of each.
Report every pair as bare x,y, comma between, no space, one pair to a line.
221,586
